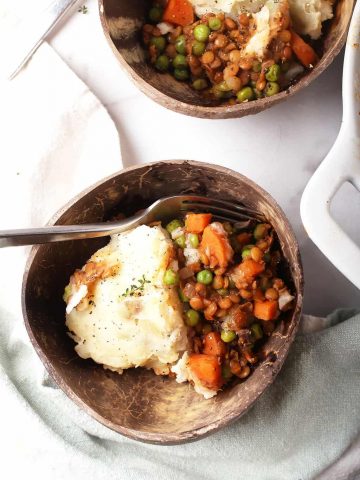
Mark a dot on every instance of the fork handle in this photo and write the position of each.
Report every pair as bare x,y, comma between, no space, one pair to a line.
61,233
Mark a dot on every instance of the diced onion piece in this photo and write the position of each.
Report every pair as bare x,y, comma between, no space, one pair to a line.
165,28
189,290
284,299
174,265
192,255
177,233
76,298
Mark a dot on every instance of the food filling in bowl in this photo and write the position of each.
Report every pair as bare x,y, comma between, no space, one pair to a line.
195,300
235,50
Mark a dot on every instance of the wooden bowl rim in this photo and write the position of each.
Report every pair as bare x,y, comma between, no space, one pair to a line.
222,111
274,368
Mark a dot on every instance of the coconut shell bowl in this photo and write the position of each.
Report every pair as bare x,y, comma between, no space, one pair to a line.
122,22
138,403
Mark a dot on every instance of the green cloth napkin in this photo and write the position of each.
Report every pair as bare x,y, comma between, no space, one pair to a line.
304,423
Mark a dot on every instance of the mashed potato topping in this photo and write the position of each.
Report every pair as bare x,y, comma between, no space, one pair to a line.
128,318
307,15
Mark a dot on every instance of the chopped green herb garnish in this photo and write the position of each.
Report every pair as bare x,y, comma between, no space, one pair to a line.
83,9
136,290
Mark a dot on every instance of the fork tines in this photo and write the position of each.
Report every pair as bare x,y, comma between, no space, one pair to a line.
221,209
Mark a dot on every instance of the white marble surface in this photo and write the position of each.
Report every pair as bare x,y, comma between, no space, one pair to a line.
279,148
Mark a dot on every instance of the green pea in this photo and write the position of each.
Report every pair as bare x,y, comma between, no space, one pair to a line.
159,43
215,23
201,32
256,67
162,63
194,240
273,73
155,14
223,292
272,88
181,241
182,296
200,84
205,277
181,74
192,318
223,87
246,251
171,277
256,330
198,48
180,44
260,231
173,225
245,94
226,372
67,293
227,336
180,61
222,91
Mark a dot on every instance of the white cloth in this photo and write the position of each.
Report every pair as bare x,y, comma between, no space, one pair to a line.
55,140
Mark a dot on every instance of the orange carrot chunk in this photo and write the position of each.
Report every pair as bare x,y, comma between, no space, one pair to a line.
207,369
196,222
216,246
213,345
265,310
179,12
250,269
304,52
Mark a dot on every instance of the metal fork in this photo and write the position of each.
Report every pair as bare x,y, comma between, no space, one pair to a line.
165,208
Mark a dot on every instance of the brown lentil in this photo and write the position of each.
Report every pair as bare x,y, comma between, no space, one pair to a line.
196,303
284,36
218,282
244,19
246,294
256,254
220,41
208,57
225,303
271,294
210,311
231,71
245,372
200,289
235,56
234,83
